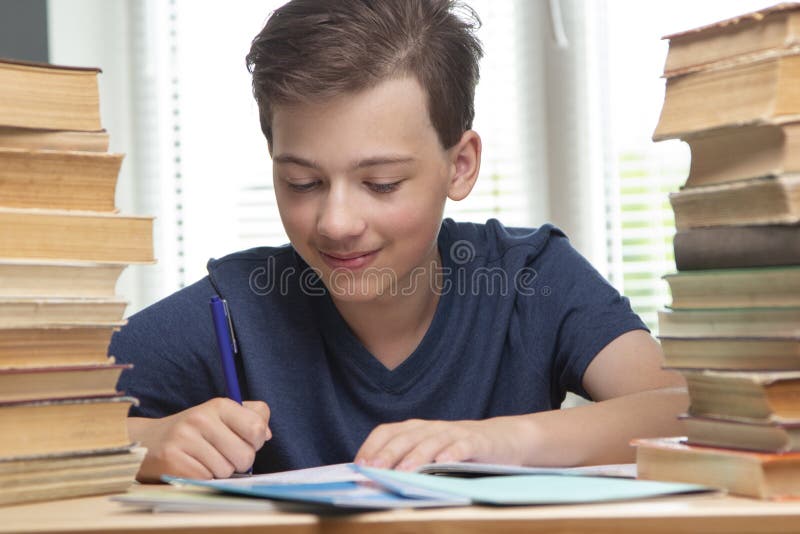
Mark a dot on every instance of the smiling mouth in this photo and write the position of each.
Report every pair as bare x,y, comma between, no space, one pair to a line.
352,260
350,256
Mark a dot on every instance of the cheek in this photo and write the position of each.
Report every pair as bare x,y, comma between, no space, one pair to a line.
415,221
297,217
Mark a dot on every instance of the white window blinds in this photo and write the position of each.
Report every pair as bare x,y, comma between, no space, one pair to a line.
641,246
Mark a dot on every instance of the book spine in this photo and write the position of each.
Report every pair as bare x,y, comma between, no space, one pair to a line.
732,247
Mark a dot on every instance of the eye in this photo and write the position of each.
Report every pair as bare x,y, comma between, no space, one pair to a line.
303,187
384,188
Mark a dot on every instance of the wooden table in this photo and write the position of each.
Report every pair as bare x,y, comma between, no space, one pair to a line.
701,513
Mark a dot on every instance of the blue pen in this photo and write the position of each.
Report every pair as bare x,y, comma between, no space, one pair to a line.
226,341
227,346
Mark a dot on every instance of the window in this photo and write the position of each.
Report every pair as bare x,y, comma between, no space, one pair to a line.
641,250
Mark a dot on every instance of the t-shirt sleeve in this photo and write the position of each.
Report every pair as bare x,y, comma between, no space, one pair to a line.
170,345
589,312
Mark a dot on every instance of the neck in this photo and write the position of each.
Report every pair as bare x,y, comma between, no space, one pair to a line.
392,326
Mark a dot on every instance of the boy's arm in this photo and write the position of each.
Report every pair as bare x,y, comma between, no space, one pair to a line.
636,398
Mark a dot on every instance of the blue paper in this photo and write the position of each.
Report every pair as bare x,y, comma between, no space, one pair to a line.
349,494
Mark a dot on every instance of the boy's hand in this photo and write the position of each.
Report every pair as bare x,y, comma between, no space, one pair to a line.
407,445
211,440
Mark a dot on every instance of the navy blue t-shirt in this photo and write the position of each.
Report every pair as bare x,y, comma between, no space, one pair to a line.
520,317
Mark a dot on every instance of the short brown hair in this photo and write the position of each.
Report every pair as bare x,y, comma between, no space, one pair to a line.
318,49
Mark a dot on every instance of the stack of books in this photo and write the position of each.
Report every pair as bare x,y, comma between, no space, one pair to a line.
733,329
62,248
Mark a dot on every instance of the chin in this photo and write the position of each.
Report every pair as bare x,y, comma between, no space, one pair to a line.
354,299
358,287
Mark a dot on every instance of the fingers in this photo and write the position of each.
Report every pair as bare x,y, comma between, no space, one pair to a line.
442,447
183,453
410,444
458,451
388,443
213,439
260,408
188,467
194,446
253,427
175,463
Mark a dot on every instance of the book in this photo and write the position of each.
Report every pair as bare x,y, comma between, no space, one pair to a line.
732,353
29,463
735,288
50,97
30,312
767,32
72,475
764,437
66,180
767,200
54,278
751,474
758,397
745,152
763,91
369,488
347,495
63,246
55,345
731,322
344,472
477,469
61,426
32,139
59,382
75,235
203,500
199,499
725,247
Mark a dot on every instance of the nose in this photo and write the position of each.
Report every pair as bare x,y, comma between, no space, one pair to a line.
340,218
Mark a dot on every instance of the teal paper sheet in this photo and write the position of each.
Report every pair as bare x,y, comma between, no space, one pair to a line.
528,489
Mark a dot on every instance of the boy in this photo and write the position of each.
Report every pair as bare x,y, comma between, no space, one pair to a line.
383,334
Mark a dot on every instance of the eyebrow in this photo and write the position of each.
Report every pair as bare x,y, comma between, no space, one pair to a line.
360,164
381,160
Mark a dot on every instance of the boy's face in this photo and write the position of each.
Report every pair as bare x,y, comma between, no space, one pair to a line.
361,182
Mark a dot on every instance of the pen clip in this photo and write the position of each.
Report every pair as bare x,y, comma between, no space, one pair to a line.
230,325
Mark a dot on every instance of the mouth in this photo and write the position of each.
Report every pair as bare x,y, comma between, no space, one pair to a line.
350,260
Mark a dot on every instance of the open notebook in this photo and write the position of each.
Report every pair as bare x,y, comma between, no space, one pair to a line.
352,487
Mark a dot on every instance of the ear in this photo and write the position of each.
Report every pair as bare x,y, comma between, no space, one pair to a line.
465,163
